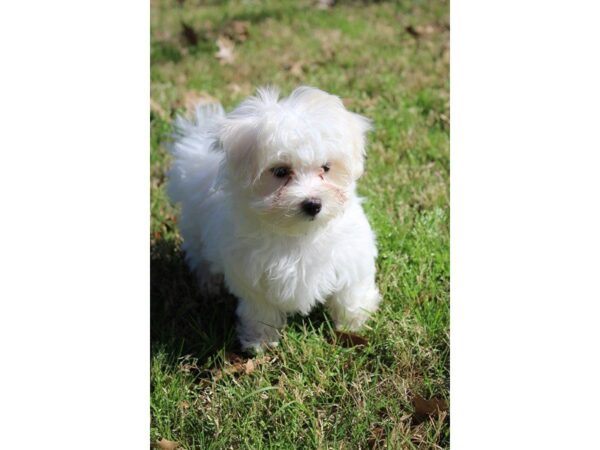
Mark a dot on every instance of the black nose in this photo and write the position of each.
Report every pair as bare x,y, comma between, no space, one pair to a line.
311,206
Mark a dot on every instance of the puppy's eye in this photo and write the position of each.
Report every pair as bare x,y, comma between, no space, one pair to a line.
326,167
281,172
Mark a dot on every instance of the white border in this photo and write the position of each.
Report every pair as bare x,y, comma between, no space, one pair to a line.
74,319
74,251
525,224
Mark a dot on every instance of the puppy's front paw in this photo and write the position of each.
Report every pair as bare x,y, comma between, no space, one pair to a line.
257,337
258,326
351,320
351,308
258,347
258,340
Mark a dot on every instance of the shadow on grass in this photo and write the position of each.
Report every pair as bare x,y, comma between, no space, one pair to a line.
185,322
182,320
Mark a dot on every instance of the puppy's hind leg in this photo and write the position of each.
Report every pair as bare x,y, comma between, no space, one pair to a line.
258,325
351,307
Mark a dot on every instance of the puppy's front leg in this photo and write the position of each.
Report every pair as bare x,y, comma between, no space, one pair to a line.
351,307
258,324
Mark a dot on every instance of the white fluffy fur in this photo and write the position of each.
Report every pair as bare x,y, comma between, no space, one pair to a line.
239,220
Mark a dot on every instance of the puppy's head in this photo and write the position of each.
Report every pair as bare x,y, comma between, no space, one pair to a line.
293,162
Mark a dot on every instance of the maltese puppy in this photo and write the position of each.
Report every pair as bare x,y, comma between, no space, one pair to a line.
268,202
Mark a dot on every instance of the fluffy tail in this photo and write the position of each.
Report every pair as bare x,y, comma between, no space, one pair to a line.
195,161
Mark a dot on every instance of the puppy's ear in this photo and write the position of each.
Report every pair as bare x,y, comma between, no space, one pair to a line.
238,135
238,139
358,127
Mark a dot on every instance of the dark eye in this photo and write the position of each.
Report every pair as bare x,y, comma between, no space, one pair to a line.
326,167
281,172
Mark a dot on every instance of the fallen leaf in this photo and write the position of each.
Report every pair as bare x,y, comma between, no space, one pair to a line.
249,367
217,374
165,444
325,4
235,364
420,30
425,408
296,69
412,31
188,364
236,89
189,34
233,358
427,29
346,339
238,30
377,438
225,54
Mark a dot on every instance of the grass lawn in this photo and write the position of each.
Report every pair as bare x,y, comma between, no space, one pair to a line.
388,61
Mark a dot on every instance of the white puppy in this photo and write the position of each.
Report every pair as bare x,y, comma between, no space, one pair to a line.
268,200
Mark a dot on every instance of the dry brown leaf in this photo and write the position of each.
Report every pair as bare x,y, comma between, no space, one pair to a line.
325,4
346,339
421,30
249,367
237,365
217,374
238,30
296,69
165,444
233,358
234,88
412,31
234,363
189,35
377,437
426,29
242,89
225,54
425,408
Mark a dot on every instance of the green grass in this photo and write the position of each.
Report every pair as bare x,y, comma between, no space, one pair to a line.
311,392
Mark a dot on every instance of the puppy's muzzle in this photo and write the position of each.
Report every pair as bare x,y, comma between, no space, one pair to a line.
311,206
